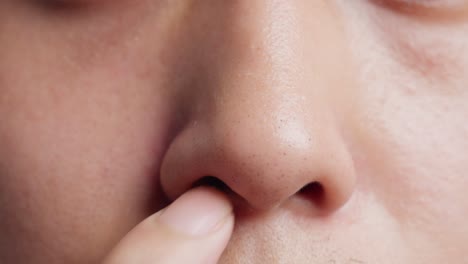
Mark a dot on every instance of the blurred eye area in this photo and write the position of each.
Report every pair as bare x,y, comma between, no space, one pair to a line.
54,8
443,4
447,10
65,4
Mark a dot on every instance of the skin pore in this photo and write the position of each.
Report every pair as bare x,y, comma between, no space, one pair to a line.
339,128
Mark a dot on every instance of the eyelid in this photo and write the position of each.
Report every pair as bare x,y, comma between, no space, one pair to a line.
433,3
434,10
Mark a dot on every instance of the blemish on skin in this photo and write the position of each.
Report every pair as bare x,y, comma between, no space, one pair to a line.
427,55
428,60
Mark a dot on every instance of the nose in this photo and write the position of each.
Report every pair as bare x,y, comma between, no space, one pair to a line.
259,115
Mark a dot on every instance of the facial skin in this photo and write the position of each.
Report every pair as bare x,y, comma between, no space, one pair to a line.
339,127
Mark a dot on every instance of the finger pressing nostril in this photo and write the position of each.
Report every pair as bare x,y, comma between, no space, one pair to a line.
212,182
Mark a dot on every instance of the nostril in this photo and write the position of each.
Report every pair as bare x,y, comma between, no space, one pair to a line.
313,192
212,182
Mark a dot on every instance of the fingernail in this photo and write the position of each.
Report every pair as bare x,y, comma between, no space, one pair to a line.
197,212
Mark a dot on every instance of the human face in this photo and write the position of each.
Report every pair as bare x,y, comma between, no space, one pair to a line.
339,128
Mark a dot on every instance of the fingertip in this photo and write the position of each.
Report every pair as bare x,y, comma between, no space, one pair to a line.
198,212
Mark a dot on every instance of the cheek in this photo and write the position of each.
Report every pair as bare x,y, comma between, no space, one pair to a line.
422,116
419,164
425,171
95,145
413,112
418,161
82,134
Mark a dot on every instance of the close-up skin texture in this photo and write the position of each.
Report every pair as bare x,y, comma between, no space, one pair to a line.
338,129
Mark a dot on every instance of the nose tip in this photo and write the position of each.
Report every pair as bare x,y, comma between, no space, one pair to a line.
263,167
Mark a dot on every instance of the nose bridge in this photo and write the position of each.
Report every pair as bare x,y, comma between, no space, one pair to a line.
270,56
269,91
261,74
262,45
260,120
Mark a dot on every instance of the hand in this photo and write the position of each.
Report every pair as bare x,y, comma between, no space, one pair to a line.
194,229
